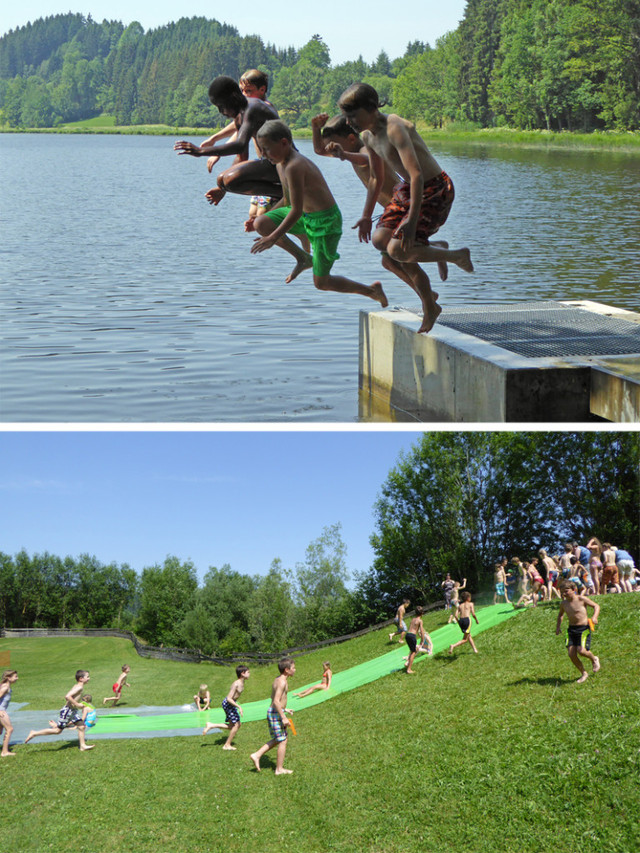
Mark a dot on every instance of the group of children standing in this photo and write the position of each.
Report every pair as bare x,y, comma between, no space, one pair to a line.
291,197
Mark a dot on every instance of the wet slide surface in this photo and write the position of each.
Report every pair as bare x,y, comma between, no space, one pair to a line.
149,721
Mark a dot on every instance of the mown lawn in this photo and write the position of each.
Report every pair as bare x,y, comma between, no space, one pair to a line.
499,751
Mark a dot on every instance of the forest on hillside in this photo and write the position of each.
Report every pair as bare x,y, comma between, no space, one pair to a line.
548,64
455,503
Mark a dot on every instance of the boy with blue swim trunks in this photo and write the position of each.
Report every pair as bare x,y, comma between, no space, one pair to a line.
307,207
231,707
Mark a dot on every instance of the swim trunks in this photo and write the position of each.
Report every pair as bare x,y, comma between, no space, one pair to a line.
402,625
500,588
437,198
411,642
117,689
324,230
465,624
231,712
610,575
69,717
579,635
276,729
260,200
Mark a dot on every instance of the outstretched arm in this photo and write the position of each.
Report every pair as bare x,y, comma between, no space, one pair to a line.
376,178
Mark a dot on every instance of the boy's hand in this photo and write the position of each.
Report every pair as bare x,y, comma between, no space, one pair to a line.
249,224
406,233
335,149
215,195
364,229
183,147
319,120
262,244
211,162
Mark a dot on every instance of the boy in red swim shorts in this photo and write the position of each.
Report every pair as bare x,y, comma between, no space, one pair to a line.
118,685
421,201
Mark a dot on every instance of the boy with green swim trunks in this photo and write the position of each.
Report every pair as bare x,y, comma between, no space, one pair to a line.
307,207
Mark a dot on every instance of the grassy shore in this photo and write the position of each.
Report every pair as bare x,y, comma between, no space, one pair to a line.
500,752
455,134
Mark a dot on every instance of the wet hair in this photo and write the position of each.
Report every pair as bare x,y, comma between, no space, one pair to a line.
240,669
275,130
257,77
359,96
6,675
225,90
338,126
466,596
285,663
81,673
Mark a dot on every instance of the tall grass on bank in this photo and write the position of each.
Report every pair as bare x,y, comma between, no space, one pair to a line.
500,752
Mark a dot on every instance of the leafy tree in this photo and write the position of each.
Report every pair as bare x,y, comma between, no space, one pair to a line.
271,611
167,594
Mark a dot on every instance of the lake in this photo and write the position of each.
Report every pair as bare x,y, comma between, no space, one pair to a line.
127,298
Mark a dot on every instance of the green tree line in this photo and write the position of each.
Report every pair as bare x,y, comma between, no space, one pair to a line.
455,503
549,64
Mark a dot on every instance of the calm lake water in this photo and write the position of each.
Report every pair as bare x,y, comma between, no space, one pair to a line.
126,297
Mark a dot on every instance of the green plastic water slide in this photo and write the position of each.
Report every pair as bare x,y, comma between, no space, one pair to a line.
349,679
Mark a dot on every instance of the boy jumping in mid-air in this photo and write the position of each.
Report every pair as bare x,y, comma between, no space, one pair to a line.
72,714
421,201
464,612
231,708
307,207
276,718
579,633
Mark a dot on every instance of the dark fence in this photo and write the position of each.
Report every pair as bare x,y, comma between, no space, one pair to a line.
195,655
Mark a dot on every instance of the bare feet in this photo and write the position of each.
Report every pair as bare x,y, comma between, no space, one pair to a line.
378,294
228,747
410,671
7,754
283,772
596,665
462,258
443,267
583,677
303,264
450,650
28,737
86,747
391,636
256,761
431,313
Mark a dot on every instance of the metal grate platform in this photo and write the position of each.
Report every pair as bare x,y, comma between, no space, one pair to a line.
546,329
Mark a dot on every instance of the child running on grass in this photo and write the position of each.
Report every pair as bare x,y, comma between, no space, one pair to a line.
231,708
399,621
118,685
71,714
325,684
307,207
579,633
421,201
9,677
276,718
464,612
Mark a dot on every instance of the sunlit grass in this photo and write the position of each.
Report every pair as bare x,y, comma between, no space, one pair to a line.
500,752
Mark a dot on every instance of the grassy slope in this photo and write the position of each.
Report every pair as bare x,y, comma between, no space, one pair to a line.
496,752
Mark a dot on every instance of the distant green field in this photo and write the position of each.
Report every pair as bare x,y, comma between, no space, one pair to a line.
500,752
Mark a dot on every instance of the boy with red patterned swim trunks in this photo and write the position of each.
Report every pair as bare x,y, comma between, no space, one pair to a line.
421,201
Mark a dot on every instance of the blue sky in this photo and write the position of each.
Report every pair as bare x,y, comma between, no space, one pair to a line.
213,497
349,29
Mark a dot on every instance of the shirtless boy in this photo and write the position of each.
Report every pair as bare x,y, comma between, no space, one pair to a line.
579,634
609,569
336,138
416,628
276,718
421,201
399,621
71,714
307,207
231,707
246,177
500,583
463,615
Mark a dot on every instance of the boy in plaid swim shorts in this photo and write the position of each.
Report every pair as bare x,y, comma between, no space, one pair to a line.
421,201
276,718
231,708
70,715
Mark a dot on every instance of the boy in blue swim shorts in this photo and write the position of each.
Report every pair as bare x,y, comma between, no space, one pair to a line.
307,207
